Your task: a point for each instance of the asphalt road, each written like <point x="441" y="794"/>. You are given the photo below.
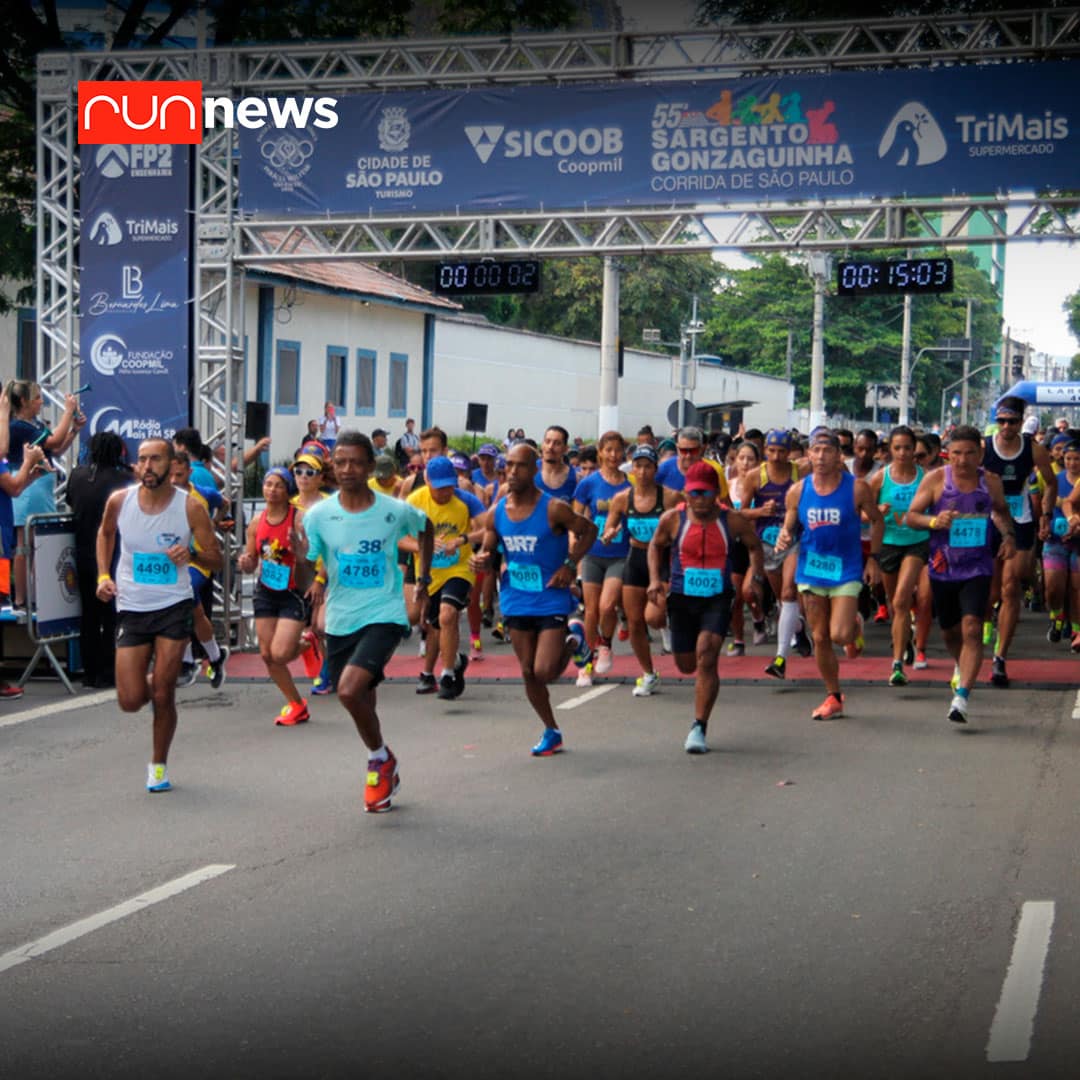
<point x="807" y="900"/>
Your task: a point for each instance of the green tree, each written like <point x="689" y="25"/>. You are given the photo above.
<point x="755" y="309"/>
<point x="655" y="291"/>
<point x="1071" y="307"/>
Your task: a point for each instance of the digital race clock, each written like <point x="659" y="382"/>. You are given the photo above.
<point x="875" y="277"/>
<point x="473" y="277"/>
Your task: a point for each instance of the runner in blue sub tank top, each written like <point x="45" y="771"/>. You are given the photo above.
<point x="602" y="568"/>
<point x="957" y="504"/>
<point x="904" y="550"/>
<point x="823" y="511"/>
<point x="638" y="508"/>
<point x="539" y="566"/>
<point x="700" y="591"/>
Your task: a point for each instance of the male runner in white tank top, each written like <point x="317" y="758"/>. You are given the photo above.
<point x="156" y="523"/>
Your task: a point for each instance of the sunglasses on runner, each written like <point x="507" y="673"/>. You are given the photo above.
<point x="304" y="470"/>
<point x="698" y="493"/>
<point x="1007" y="419"/>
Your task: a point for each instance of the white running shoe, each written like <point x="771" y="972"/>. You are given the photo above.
<point x="603" y="660"/>
<point x="157" y="779"/>
<point x="665" y="640"/>
<point x="584" y="677"/>
<point x="958" y="710"/>
<point x="695" y="741"/>
<point x="647" y="685"/>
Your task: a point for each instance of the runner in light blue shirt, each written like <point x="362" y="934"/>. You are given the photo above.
<point x="356" y="533"/>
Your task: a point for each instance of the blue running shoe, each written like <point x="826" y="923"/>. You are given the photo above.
<point x="550" y="743"/>
<point x="575" y="629"/>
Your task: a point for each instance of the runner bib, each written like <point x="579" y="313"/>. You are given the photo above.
<point x="770" y="535"/>
<point x="826" y="567"/>
<point x="1017" y="505"/>
<point x="703" y="582"/>
<point x="642" y="528"/>
<point x="600" y="520"/>
<point x="153" y="568"/>
<point x="443" y="560"/>
<point x="967" y="532"/>
<point x="274" y="575"/>
<point x="361" y="571"/>
<point x="525" y="576"/>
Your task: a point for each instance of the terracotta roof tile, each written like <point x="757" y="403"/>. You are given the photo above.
<point x="353" y="276"/>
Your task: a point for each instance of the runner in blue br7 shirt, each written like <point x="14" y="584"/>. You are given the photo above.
<point x="356" y="533"/>
<point x="701" y="587"/>
<point x="826" y="506"/>
<point x="539" y="565"/>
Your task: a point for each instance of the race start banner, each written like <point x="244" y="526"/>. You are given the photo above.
<point x="135" y="289"/>
<point x="966" y="130"/>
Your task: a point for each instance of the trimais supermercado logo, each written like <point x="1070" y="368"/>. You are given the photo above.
<point x="175" y="113"/>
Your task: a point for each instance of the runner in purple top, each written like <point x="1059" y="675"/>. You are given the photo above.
<point x="957" y="504"/>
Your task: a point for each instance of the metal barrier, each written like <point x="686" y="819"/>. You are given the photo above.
<point x="54" y="610"/>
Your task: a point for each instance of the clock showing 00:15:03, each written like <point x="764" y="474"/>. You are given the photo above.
<point x="876" y="277"/>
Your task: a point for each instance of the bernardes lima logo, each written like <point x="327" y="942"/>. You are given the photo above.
<point x="175" y="112"/>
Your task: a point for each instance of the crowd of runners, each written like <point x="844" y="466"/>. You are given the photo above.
<point x="676" y="545"/>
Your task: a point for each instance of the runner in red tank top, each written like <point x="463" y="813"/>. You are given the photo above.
<point x="274" y="544"/>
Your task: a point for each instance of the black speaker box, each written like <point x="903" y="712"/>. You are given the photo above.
<point x="476" y="417"/>
<point x="257" y="420"/>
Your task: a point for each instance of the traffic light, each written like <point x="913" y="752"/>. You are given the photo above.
<point x="1018" y="366"/>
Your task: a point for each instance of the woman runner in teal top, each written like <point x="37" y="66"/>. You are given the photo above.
<point x="904" y="550"/>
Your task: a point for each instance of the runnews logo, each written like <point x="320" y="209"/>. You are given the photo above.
<point x="175" y="113"/>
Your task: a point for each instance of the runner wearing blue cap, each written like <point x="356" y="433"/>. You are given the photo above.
<point x="454" y="515"/>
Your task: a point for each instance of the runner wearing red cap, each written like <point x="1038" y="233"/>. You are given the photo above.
<point x="701" y="591"/>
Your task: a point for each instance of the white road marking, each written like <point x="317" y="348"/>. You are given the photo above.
<point x="1014" y="1021"/>
<point x="1076" y="706"/>
<point x="95" y="922"/>
<point x="595" y="692"/>
<point x="82" y="701"/>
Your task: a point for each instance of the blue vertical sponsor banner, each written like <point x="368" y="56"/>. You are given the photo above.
<point x="972" y="130"/>
<point x="135" y="289"/>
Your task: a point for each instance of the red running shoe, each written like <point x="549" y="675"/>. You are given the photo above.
<point x="296" y="712"/>
<point x="311" y="654"/>
<point x="829" y="708"/>
<point x="382" y="784"/>
<point x="882" y="614"/>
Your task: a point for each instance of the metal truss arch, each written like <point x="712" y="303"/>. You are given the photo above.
<point x="923" y="223"/>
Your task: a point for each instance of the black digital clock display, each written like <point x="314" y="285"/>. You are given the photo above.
<point x="876" y="277"/>
<point x="484" y="277"/>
